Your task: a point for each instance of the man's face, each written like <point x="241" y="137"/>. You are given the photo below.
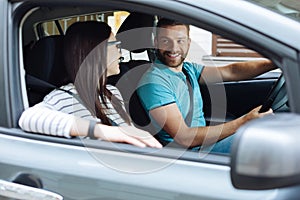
<point x="173" y="44"/>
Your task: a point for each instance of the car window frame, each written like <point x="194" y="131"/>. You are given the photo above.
<point x="4" y="88"/>
<point x="17" y="105"/>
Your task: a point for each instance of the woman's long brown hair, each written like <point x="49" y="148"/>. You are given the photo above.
<point x="85" y="50"/>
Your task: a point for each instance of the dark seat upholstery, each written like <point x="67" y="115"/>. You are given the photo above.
<point x="44" y="60"/>
<point x="127" y="84"/>
<point x="136" y="35"/>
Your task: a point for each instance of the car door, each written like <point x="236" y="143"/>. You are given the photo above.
<point x="80" y="169"/>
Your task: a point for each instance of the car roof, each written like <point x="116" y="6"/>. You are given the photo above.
<point x="284" y="30"/>
<point x="267" y="22"/>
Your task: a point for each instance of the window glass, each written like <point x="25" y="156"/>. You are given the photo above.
<point x="114" y="19"/>
<point x="207" y="47"/>
<point x="231" y="100"/>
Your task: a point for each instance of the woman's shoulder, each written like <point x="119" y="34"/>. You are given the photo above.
<point x="115" y="91"/>
<point x="69" y="87"/>
<point x="112" y="89"/>
<point x="59" y="93"/>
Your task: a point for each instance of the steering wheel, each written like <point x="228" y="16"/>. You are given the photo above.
<point x="277" y="96"/>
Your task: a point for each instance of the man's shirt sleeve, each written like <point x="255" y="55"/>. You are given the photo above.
<point x="155" y="92"/>
<point x="197" y="69"/>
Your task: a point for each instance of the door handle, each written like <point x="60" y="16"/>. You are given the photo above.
<point x="19" y="191"/>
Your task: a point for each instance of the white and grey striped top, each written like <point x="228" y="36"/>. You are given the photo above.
<point x="55" y="114"/>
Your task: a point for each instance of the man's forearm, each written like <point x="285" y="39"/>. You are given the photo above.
<point x="247" y="70"/>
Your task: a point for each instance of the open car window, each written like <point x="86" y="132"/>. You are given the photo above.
<point x="222" y="101"/>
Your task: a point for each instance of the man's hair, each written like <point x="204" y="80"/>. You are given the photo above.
<point x="164" y="22"/>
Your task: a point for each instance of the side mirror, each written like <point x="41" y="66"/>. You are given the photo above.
<point x="266" y="153"/>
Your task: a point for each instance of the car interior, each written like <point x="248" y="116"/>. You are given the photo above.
<point x="44" y="66"/>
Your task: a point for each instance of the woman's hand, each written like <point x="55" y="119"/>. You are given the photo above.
<point x="126" y="134"/>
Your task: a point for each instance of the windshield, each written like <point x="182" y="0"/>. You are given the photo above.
<point x="289" y="8"/>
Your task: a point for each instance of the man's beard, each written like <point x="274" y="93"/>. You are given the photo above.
<point x="162" y="58"/>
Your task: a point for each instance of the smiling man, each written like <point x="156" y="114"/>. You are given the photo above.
<point x="170" y="93"/>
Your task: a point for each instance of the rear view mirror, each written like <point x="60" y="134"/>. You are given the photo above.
<point x="266" y="153"/>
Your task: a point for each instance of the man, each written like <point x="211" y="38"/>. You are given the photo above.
<point x="164" y="91"/>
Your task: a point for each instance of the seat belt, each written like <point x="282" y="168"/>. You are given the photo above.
<point x="40" y="84"/>
<point x="188" y="118"/>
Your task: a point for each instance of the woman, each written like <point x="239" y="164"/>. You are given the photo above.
<point x="87" y="106"/>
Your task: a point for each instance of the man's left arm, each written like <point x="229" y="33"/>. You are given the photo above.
<point x="237" y="71"/>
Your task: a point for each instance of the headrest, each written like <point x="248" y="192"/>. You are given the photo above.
<point x="45" y="60"/>
<point x="136" y="32"/>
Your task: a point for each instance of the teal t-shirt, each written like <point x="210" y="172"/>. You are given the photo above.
<point x="161" y="86"/>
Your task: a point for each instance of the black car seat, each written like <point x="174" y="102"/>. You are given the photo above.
<point x="136" y="35"/>
<point x="44" y="61"/>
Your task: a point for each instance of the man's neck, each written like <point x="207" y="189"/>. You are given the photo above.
<point x="176" y="69"/>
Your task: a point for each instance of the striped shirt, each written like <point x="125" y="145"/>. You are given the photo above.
<point x="55" y="114"/>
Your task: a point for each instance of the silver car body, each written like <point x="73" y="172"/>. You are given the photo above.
<point x="100" y="170"/>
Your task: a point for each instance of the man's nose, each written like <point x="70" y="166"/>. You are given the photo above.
<point x="173" y="46"/>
